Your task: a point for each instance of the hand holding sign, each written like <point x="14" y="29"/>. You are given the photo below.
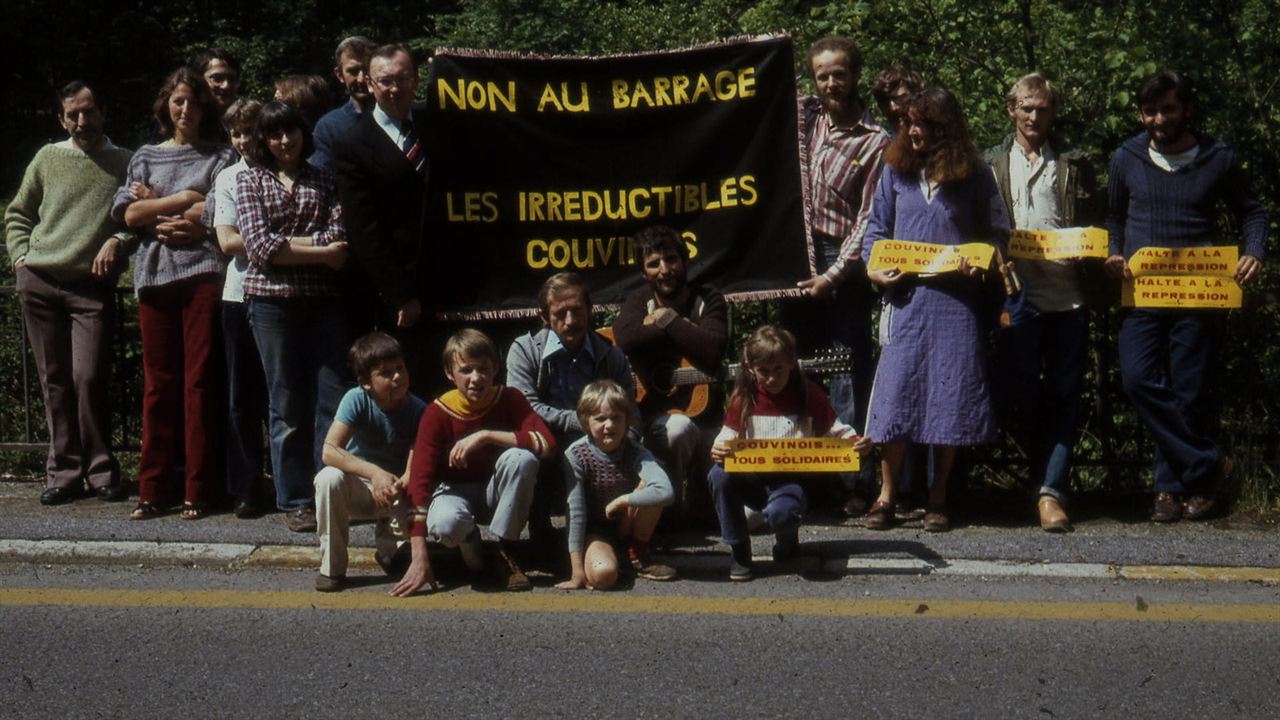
<point x="925" y="258"/>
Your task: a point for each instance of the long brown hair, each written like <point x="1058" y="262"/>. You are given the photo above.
<point x="210" y="116"/>
<point x="952" y="154"/>
<point x="766" y="343"/>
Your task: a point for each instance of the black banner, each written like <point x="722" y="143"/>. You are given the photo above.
<point x="546" y="164"/>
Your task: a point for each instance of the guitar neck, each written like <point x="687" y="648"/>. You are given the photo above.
<point x="830" y="362"/>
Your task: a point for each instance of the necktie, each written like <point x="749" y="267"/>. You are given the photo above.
<point x="413" y="148"/>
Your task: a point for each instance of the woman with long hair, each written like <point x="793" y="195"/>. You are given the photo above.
<point x="178" y="278"/>
<point x="931" y="385"/>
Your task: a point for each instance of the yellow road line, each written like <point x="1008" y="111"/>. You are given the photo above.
<point x="1270" y="576"/>
<point x="555" y="602"/>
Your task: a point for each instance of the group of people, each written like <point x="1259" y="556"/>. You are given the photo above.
<point x="267" y="236"/>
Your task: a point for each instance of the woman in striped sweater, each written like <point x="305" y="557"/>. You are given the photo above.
<point x="178" y="277"/>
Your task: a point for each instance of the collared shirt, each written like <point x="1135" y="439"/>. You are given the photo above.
<point x="268" y="214"/>
<point x="844" y="166"/>
<point x="570" y="372"/>
<point x="1033" y="187"/>
<point x="70" y="144"/>
<point x="395" y="129"/>
<point x="1051" y="285"/>
<point x="1173" y="162"/>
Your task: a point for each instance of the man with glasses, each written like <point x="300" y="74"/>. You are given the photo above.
<point x="381" y="166"/>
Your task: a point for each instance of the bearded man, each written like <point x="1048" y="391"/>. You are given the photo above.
<point x="842" y="148"/>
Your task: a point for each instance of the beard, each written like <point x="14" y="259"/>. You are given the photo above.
<point x="837" y="105"/>
<point x="1171" y="134"/>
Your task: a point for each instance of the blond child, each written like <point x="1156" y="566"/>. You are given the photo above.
<point x="616" y="491"/>
<point x="771" y="399"/>
<point x="476" y="455"/>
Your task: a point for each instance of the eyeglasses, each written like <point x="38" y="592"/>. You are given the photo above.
<point x="394" y="81"/>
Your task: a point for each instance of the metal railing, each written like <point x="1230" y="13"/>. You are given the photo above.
<point x="22" y="423"/>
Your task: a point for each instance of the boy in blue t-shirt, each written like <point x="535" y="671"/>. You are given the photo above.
<point x="366" y="455"/>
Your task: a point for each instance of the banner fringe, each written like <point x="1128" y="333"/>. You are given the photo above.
<point x="525" y="313"/>
<point x="513" y="55"/>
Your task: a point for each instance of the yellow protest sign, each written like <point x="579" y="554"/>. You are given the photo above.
<point x="1063" y="244"/>
<point x="792" y="455"/>
<point x="1181" y="291"/>
<point x="1203" y="261"/>
<point x="928" y="258"/>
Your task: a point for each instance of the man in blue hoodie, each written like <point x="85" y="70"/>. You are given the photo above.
<point x="1166" y="185"/>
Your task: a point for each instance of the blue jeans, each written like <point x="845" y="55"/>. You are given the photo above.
<point x="1166" y="359"/>
<point x="303" y="344"/>
<point x="247" y="402"/>
<point x="777" y="495"/>
<point x="1040" y="362"/>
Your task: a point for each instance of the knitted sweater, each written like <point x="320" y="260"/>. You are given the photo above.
<point x="61" y="215"/>
<point x="170" y="169"/>
<point x="449" y="419"/>
<point x="1152" y="207"/>
<point x="594" y="478"/>
<point x="789" y="414"/>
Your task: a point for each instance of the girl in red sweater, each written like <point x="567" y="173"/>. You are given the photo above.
<point x="771" y="399"/>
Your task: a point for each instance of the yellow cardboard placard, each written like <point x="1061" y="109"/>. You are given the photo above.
<point x="1062" y="244"/>
<point x="1181" y="291"/>
<point x="792" y="455"/>
<point x="1202" y="261"/>
<point x="928" y="258"/>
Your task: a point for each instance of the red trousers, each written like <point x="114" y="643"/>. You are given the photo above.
<point x="182" y="389"/>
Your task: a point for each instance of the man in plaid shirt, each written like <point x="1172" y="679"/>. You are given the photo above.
<point x="842" y="150"/>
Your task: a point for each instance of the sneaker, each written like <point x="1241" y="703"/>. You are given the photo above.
<point x="741" y="567"/>
<point x="646" y="568"/>
<point x="517" y="581"/>
<point x="324" y="583"/>
<point x="398" y="564"/>
<point x="787" y="548"/>
<point x="472" y="551"/>
<point x="302" y="520"/>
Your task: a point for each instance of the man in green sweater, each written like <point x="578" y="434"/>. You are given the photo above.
<point x="66" y="255"/>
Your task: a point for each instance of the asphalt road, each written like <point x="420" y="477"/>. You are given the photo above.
<point x="119" y="641"/>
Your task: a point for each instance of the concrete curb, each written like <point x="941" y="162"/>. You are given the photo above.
<point x="235" y="555"/>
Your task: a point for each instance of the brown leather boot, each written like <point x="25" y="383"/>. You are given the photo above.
<point x="1052" y="517"/>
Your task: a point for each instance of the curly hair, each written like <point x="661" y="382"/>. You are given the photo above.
<point x="951" y="155"/>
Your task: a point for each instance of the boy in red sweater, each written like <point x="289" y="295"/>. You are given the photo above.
<point x="476" y="454"/>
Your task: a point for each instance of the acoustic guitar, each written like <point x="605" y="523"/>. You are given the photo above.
<point x="670" y="380"/>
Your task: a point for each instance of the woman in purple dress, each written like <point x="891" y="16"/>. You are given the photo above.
<point x="931" y="385"/>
